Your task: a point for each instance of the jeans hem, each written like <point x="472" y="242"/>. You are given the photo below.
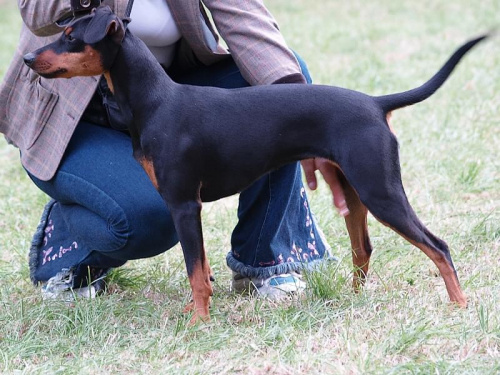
<point x="37" y="241"/>
<point x="266" y="272"/>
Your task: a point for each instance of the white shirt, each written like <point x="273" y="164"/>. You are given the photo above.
<point x="152" y="21"/>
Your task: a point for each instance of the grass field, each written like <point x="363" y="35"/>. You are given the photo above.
<point x="400" y="324"/>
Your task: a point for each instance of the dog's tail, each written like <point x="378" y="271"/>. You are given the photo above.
<point x="391" y="102"/>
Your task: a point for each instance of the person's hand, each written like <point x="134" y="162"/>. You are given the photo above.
<point x="330" y="174"/>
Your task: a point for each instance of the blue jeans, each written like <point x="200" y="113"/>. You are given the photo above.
<point x="107" y="211"/>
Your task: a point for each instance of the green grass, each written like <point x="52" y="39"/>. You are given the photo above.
<point x="400" y="324"/>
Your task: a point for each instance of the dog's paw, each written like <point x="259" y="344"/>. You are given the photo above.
<point x="189" y="307"/>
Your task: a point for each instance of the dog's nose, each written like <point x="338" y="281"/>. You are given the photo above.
<point x="29" y="58"/>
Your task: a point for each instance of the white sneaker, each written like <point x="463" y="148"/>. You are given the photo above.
<point x="275" y="287"/>
<point x="59" y="287"/>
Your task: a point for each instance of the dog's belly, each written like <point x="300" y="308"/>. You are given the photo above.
<point x="211" y="195"/>
<point x="233" y="182"/>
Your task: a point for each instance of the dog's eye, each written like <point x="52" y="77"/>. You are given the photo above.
<point x="69" y="38"/>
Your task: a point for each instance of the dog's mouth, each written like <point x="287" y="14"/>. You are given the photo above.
<point x="42" y="69"/>
<point x="54" y="74"/>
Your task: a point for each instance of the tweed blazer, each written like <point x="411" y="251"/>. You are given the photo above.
<point x="39" y="115"/>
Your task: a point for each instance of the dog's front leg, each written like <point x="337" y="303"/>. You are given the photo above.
<point x="187" y="219"/>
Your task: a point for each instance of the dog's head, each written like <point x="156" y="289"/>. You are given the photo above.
<point x="87" y="47"/>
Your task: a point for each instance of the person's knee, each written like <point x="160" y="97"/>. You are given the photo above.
<point x="147" y="231"/>
<point x="155" y="226"/>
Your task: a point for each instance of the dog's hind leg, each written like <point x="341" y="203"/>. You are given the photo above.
<point x="377" y="180"/>
<point x="357" y="227"/>
<point x="410" y="227"/>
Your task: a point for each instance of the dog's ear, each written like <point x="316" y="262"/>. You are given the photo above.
<point x="104" y="22"/>
<point x="116" y="29"/>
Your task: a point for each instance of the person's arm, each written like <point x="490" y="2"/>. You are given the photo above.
<point x="255" y="42"/>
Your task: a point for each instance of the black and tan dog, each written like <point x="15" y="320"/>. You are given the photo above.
<point x="202" y="144"/>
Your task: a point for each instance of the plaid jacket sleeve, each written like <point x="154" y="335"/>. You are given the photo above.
<point x="254" y="40"/>
<point x="41" y="16"/>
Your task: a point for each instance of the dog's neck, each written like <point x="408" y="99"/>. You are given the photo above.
<point x="134" y="67"/>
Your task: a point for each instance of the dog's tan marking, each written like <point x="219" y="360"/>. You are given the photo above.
<point x="447" y="272"/>
<point x="357" y="226"/>
<point x="107" y="76"/>
<point x="68" y="30"/>
<point x="202" y="291"/>
<point x="150" y="170"/>
<point x="67" y="65"/>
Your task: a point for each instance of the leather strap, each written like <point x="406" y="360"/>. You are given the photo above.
<point x="129" y="8"/>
